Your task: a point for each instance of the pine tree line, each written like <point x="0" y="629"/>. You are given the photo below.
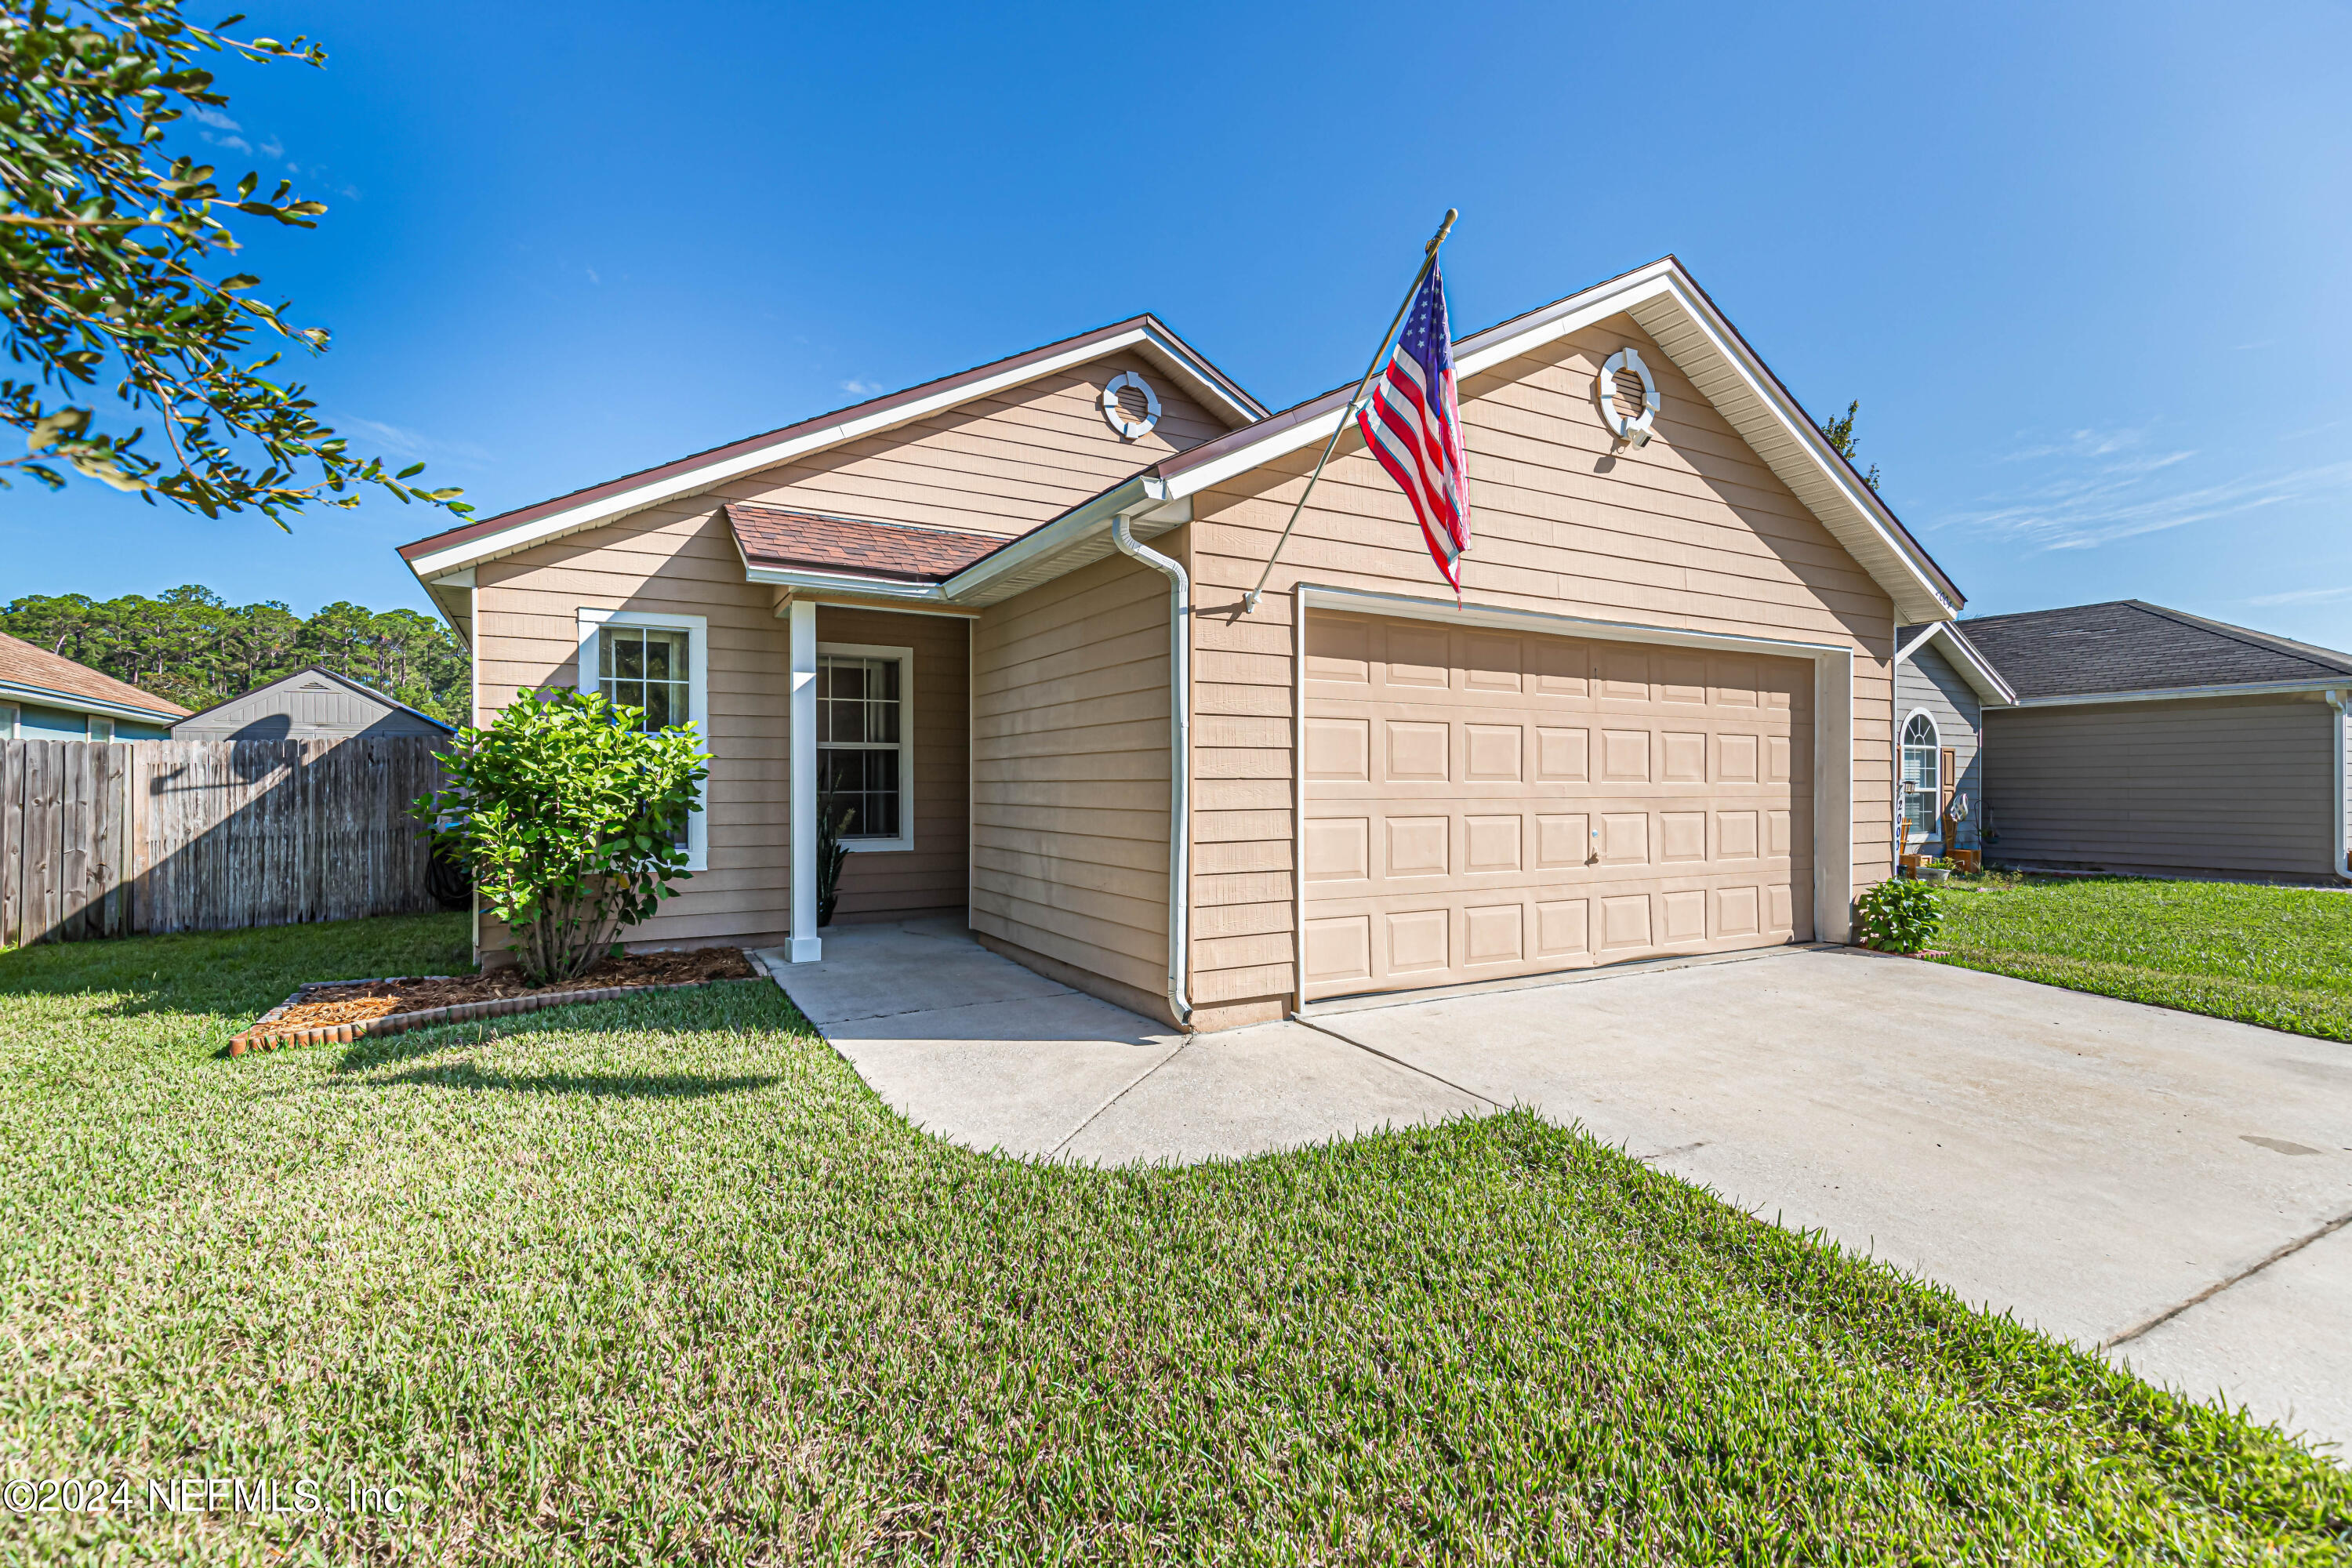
<point x="194" y="647"/>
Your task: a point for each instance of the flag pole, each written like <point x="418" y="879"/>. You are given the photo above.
<point x="1428" y="260"/>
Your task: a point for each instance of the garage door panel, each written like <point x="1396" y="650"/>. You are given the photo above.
<point x="1339" y="750"/>
<point x="1562" y="754"/>
<point x="1484" y="804"/>
<point x="1625" y="756"/>
<point x="1417" y="845"/>
<point x="1417" y="751"/>
<point x="1491" y="753"/>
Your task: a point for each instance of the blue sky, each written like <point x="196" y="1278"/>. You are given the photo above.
<point x="2083" y="266"/>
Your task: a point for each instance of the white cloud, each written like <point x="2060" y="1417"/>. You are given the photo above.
<point x="2101" y="486"/>
<point x="2303" y="597"/>
<point x="212" y="117"/>
<point x="399" y="441"/>
<point x="857" y="388"/>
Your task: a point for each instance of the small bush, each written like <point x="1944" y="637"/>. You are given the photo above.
<point x="572" y="818"/>
<point x="1899" y="916"/>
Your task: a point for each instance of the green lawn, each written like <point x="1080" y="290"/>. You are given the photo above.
<point x="660" y="1281"/>
<point x="2276" y="956"/>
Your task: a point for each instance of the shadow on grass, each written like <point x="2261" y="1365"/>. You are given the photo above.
<point x="233" y="975"/>
<point x="611" y="1086"/>
<point x="726" y="1005"/>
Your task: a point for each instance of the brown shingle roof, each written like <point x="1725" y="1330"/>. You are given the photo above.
<point x="771" y="536"/>
<point x="22" y="664"/>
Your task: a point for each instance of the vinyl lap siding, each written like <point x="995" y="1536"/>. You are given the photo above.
<point x="682" y="560"/>
<point x="2232" y="784"/>
<point x="996" y="465"/>
<point x="1069" y="852"/>
<point x="930" y="878"/>
<point x="1927" y="681"/>
<point x="1691" y="532"/>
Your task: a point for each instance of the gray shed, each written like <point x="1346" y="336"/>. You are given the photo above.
<point x="2149" y="740"/>
<point x="312" y="704"/>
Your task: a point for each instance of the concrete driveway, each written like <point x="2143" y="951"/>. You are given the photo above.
<point x="2171" y="1187"/>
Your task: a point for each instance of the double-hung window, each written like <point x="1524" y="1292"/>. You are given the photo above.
<point x="1922" y="778"/>
<point x="864" y="742"/>
<point x="659" y="664"/>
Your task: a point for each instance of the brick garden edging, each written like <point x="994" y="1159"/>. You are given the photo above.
<point x="262" y="1038"/>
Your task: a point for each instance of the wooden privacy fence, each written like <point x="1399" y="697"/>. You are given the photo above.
<point x="103" y="839"/>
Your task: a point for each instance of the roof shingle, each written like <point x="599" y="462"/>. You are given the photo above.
<point x="772" y="536"/>
<point x="22" y="664"/>
<point x="2129" y="645"/>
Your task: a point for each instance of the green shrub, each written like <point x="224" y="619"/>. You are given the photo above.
<point x="574" y="818"/>
<point x="1897" y="916"/>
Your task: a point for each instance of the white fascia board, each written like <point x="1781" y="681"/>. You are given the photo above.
<point x="843" y="582"/>
<point x="1058" y="535"/>
<point x="1982" y="679"/>
<point x="718" y="470"/>
<point x="2192" y="693"/>
<point x="1202" y="386"/>
<point x="1551" y="623"/>
<point x="74" y="702"/>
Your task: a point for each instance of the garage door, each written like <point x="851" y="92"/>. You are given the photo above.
<point x="1482" y="803"/>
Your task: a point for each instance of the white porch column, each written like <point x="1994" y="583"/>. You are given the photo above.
<point x="806" y="946"/>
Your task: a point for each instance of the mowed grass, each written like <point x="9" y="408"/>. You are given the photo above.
<point x="662" y="1281"/>
<point x="2280" y="957"/>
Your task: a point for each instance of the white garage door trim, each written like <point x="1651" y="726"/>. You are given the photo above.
<point x="1832" y="722"/>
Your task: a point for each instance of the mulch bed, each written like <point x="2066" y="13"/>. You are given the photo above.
<point x="342" y="1011"/>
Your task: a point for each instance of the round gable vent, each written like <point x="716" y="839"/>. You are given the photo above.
<point x="1628" y="394"/>
<point x="1129" y="405"/>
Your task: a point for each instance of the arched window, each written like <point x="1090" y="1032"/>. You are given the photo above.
<point x="1922" y="781"/>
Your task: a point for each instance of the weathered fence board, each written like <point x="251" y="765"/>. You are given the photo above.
<point x="99" y="839"/>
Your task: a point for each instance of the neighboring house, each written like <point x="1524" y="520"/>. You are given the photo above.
<point x="312" y="704"/>
<point x="1942" y="686"/>
<point x="2144" y="739"/>
<point x="1005" y="615"/>
<point x="45" y="697"/>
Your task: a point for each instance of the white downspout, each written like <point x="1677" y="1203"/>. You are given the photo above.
<point x="1180" y="760"/>
<point x="2336" y="709"/>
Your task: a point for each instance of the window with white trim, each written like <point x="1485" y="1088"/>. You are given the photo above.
<point x="7" y="720"/>
<point x="660" y="664"/>
<point x="1922" y="777"/>
<point x="866" y="742"/>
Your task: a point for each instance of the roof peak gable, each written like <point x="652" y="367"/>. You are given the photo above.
<point x="1684" y="323"/>
<point x="455" y="549"/>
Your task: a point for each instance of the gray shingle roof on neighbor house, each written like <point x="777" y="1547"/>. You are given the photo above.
<point x="2129" y="645"/>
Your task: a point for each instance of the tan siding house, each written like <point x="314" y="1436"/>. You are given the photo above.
<point x="1008" y="615"/>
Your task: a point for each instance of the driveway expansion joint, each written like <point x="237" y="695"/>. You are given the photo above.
<point x="2278" y="1256"/>
<point x="1400" y="1061"/>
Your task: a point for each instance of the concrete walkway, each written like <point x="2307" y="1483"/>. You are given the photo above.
<point x="977" y="1049"/>
<point x="2175" y="1187"/>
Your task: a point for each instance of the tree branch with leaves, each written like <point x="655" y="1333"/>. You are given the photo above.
<point x="110" y="269"/>
<point x="1840" y="435"/>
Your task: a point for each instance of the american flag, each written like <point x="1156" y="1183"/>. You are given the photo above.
<point x="1413" y="428"/>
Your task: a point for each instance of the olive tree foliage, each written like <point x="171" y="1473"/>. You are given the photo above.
<point x="112" y="270"/>
<point x="572" y="818"/>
